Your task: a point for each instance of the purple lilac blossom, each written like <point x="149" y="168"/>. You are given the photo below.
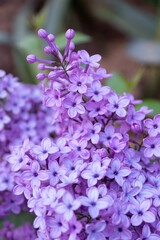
<point x="153" y="125"/>
<point x="141" y="213"/>
<point x="21" y="115"/>
<point x="78" y="83"/>
<point x="152" y="147"/>
<point x="95" y="231"/>
<point x="102" y="179"/>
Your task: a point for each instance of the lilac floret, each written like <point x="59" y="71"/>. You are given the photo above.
<point x="152" y="147"/>
<point x="141" y="213"/>
<point x="91" y="61"/>
<point x="153" y="125"/>
<point x="74" y="106"/>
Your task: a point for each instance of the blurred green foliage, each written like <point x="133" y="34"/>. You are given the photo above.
<point x="120" y="83"/>
<point x="19" y="219"/>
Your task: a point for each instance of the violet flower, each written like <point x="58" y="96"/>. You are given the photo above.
<point x="152" y="147"/>
<point x="95" y="231"/>
<point x="46" y="148"/>
<point x="78" y="83"/>
<point x="68" y="206"/>
<point x="140" y="213"/>
<point x="94" y="203"/>
<point x="35" y="175"/>
<point x="96" y="92"/>
<point x="91" y="61"/>
<point x="117" y="104"/>
<point x="117" y="172"/>
<point x="74" y="106"/>
<point x="147" y="235"/>
<point x="153" y="125"/>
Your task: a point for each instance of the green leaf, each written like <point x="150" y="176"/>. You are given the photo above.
<point x="22" y="42"/>
<point x="79" y="38"/>
<point x="152" y="104"/>
<point x="28" y="45"/>
<point x="118" y="83"/>
<point x="135" y="80"/>
<point x="19" y="219"/>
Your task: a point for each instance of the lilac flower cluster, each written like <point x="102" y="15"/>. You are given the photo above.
<point x="9" y="232"/>
<point x="100" y="177"/>
<point x="21" y="115"/>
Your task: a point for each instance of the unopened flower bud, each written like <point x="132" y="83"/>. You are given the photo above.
<point x="136" y="127"/>
<point x="52" y="75"/>
<point x="70" y="34"/>
<point x="51" y="37"/>
<point x="31" y="58"/>
<point x="41" y="66"/>
<point x="48" y="50"/>
<point x="41" y="76"/>
<point x="42" y="33"/>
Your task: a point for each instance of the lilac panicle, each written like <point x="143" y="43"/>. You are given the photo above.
<point x="98" y="176"/>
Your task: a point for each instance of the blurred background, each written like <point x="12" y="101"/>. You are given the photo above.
<point x="125" y="32"/>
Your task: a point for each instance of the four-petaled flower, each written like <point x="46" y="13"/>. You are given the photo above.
<point x="152" y="147"/>
<point x="140" y="213"/>
<point x="117" y="171"/>
<point x="68" y="206"/>
<point x="78" y="83"/>
<point x="153" y="125"/>
<point x="86" y="59"/>
<point x="95" y="231"/>
<point x="117" y="104"/>
<point x="94" y="173"/>
<point x="35" y="175"/>
<point x="45" y="149"/>
<point x="74" y="106"/>
<point x="96" y="91"/>
<point x="94" y="203"/>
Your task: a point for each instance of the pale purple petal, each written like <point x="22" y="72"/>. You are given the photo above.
<point x="136" y="220"/>
<point x="35" y="166"/>
<point x="148" y="217"/>
<point x="93" y="211"/>
<point x="43" y="175"/>
<point x="146" y="231"/>
<point x="72" y="112"/>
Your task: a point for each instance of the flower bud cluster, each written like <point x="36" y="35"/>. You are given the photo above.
<point x="100" y="177"/>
